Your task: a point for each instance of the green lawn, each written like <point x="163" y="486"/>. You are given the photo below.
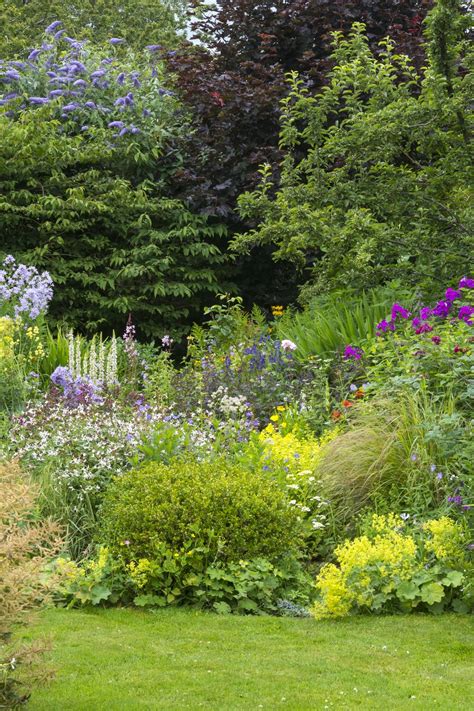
<point x="178" y="659"/>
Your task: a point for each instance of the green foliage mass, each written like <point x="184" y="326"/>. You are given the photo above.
<point x="139" y="22"/>
<point x="376" y="173"/>
<point x="242" y="515"/>
<point x="96" y="210"/>
<point x="190" y="576"/>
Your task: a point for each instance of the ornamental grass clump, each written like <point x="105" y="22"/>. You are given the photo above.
<point x="394" y="567"/>
<point x="385" y="459"/>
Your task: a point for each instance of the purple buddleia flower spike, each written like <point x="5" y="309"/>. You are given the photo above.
<point x="53" y="26"/>
<point x="12" y="74"/>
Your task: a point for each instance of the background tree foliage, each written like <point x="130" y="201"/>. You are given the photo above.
<point x="376" y="174"/>
<point x="233" y="81"/>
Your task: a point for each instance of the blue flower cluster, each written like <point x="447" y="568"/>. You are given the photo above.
<point x="24" y="291"/>
<point x="76" y="391"/>
<point x="83" y="90"/>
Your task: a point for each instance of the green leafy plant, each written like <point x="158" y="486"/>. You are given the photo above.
<point x="330" y="322"/>
<point x="393" y="568"/>
<point x="188" y="576"/>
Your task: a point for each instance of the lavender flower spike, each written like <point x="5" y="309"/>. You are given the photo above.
<point x="34" y="54"/>
<point x="54" y="25"/>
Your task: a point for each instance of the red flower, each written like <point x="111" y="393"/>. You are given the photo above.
<point x="346" y="403"/>
<point x="336" y="414"/>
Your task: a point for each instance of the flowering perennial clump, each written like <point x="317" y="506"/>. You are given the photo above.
<point x="449" y="306"/>
<point x="98" y="364"/>
<point x="83" y="93"/>
<point x="392" y="567"/>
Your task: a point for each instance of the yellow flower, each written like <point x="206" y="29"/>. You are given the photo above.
<point x="366" y="565"/>
<point x="446" y="539"/>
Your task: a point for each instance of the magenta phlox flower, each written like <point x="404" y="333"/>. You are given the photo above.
<point x="425" y="312"/>
<point x="436" y="340"/>
<point x="466" y="283"/>
<point x="452" y="294"/>
<point x="424" y="328"/>
<point x="465" y="313"/>
<point x="442" y="309"/>
<point x="384" y="326"/>
<point x="350" y="352"/>
<point x="399" y="310"/>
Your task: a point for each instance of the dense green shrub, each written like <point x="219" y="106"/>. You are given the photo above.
<point x="243" y="515"/>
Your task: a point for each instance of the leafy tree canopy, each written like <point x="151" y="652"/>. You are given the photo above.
<point x="376" y="176"/>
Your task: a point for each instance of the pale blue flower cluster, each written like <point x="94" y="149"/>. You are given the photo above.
<point x="24" y="291"/>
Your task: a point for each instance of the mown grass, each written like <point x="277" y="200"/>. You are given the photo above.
<point x="179" y="659"/>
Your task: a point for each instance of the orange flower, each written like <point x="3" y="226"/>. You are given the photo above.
<point x="359" y="393"/>
<point x="346" y="403"/>
<point x="336" y="414"/>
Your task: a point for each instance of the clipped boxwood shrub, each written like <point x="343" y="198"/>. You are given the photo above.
<point x="238" y="513"/>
